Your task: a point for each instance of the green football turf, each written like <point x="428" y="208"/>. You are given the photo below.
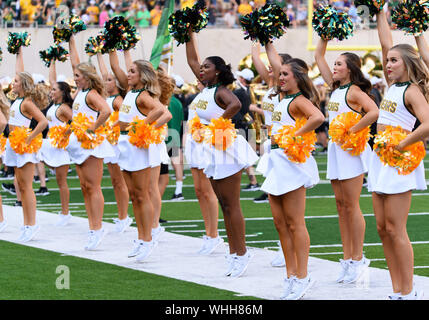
<point x="29" y="278"/>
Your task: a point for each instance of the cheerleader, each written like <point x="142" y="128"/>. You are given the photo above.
<point x="23" y="109"/>
<point x="58" y="114"/>
<point x="223" y="168"/>
<point x="350" y="93"/>
<point x="89" y="100"/>
<point x="115" y="98"/>
<point x="143" y="101"/>
<point x="203" y="190"/>
<point x="4" y="115"/>
<point x="408" y="93"/>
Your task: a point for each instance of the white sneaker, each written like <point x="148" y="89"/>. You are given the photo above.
<point x="23" y="231"/>
<point x="157" y="233"/>
<point x="413" y="295"/>
<point x="203" y="247"/>
<point x="211" y="245"/>
<point x="30" y="232"/>
<point x="356" y="270"/>
<point x="94" y="238"/>
<point x="122" y="225"/>
<point x="63" y="219"/>
<point x="394" y="296"/>
<point x="230" y="259"/>
<point x="136" y="248"/>
<point x="344" y="269"/>
<point x="287" y="287"/>
<point x="145" y="250"/>
<point x="240" y="265"/>
<point x="3" y="225"/>
<point x="300" y="287"/>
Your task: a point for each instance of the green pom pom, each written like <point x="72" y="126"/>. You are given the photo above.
<point x="374" y="6"/>
<point x="266" y="24"/>
<point x="119" y="34"/>
<point x="411" y="17"/>
<point x="16" y="40"/>
<point x="55" y="52"/>
<point x="75" y="25"/>
<point x="331" y="24"/>
<point x="195" y="18"/>
<point x="95" y="45"/>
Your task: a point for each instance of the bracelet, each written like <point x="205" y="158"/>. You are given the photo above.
<point x="69" y="122"/>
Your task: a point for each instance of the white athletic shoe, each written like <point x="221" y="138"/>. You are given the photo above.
<point x="146" y="249"/>
<point x="413" y="295"/>
<point x="63" y="219"/>
<point x="22" y="236"/>
<point x="356" y="270"/>
<point x="203" y="247"/>
<point x="344" y="269"/>
<point x="300" y="287"/>
<point x="30" y="232"/>
<point x="394" y="296"/>
<point x="287" y="287"/>
<point x="157" y="233"/>
<point x="122" y="225"/>
<point x="3" y="225"/>
<point x="240" y="265"/>
<point x="211" y="245"/>
<point x="136" y="248"/>
<point x="230" y="260"/>
<point x="94" y="238"/>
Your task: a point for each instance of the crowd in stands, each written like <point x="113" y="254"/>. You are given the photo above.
<point x="146" y="13"/>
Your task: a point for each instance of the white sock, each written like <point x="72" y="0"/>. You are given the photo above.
<point x="179" y="185"/>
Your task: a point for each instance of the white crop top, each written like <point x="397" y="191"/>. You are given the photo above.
<point x="268" y="105"/>
<point x="110" y="101"/>
<point x="51" y="115"/>
<point x="338" y="102"/>
<point x="192" y="107"/>
<point x="281" y="115"/>
<point x="16" y="117"/>
<point x="80" y="105"/>
<point x="128" y="109"/>
<point x="392" y="108"/>
<point x="206" y="106"/>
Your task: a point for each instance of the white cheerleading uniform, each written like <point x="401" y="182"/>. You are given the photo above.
<point x="268" y="105"/>
<point x="132" y="158"/>
<point x="11" y="158"/>
<point x="194" y="151"/>
<point x="114" y="160"/>
<point x="78" y="154"/>
<point x="52" y="156"/>
<point x="383" y="178"/>
<point x="341" y="165"/>
<point x="238" y="156"/>
<point x="283" y="175"/>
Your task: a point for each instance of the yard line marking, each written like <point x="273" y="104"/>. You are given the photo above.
<point x="336" y="245"/>
<point x="325" y="253"/>
<point x="182" y="226"/>
<point x="421" y="267"/>
<point x="193" y="231"/>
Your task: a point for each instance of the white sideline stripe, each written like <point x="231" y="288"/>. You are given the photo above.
<point x="421" y="267"/>
<point x="182" y="226"/>
<point x="260" y="280"/>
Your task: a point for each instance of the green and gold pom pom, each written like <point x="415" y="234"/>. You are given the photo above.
<point x="119" y="34"/>
<point x="195" y="19"/>
<point x="63" y="34"/>
<point x="266" y="24"/>
<point x="331" y="24"/>
<point x="374" y="6"/>
<point x="54" y="52"/>
<point x="95" y="45"/>
<point x="411" y="16"/>
<point x="16" y="40"/>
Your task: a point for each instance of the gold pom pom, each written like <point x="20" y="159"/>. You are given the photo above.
<point x="220" y="133"/>
<point x="18" y="138"/>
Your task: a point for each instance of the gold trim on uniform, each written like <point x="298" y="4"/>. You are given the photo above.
<point x="277" y="116"/>
<point x="76" y="106"/>
<point x="333" y="106"/>
<point x="267" y="106"/>
<point x="125" y="109"/>
<point x="202" y="104"/>
<point x="389" y="106"/>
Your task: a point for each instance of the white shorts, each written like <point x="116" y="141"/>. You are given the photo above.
<point x="52" y="156"/>
<point x="386" y="179"/>
<point x="13" y="159"/>
<point x="284" y="176"/>
<point x="78" y="154"/>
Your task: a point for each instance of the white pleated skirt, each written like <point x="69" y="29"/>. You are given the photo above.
<point x="284" y="176"/>
<point x="341" y="165"/>
<point x="115" y="158"/>
<point x="132" y="158"/>
<point x="262" y="166"/>
<point x="386" y="179"/>
<point x="78" y="154"/>
<point x="194" y="153"/>
<point x="222" y="164"/>
<point x="52" y="156"/>
<point x="13" y="159"/>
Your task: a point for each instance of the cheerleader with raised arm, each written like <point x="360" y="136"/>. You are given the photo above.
<point x="89" y="101"/>
<point x="405" y="101"/>
<point x="23" y="109"/>
<point x="142" y="101"/>
<point x="115" y="97"/>
<point x="4" y="115"/>
<point x="224" y="167"/>
<point x="350" y="94"/>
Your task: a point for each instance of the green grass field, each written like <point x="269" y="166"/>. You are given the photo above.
<point x="26" y="275"/>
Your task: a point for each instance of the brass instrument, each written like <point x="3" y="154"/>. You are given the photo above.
<point x="372" y="65"/>
<point x="257" y="92"/>
<point x="314" y="71"/>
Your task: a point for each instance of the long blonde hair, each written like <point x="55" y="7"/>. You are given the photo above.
<point x="417" y="70"/>
<point x="37" y="93"/>
<point x="149" y="77"/>
<point x="94" y="80"/>
<point x="4" y="104"/>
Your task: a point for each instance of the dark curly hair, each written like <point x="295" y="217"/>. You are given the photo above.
<point x="225" y="77"/>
